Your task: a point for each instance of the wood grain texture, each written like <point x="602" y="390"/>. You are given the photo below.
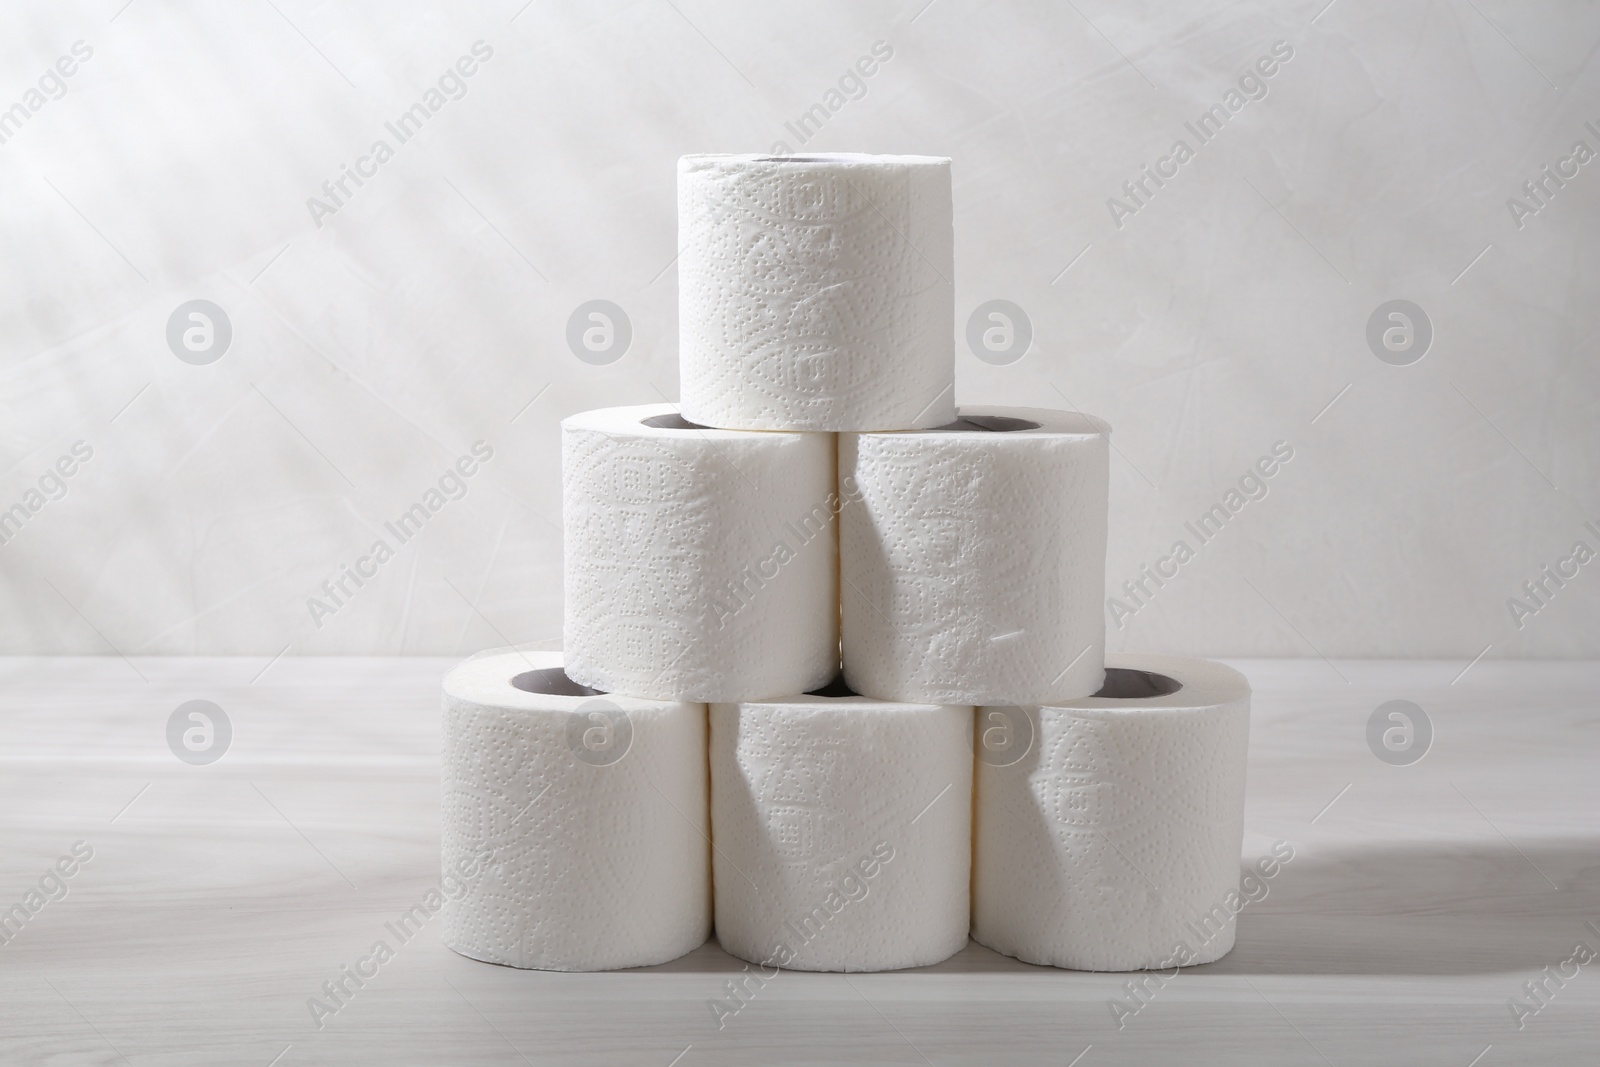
<point x="222" y="897"/>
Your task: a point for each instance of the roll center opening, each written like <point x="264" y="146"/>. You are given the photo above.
<point x="672" y="421"/>
<point x="840" y="158"/>
<point x="988" y="424"/>
<point x="1124" y="684"/>
<point x="553" y="681"/>
<point x="835" y="688"/>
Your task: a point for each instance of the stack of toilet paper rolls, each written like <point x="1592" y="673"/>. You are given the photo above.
<point x="834" y="672"/>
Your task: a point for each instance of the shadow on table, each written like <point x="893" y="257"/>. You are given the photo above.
<point x="1426" y="908"/>
<point x="1423" y="908"/>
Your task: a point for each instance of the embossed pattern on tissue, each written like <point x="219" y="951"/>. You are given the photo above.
<point x="814" y="299"/>
<point x="800" y="793"/>
<point x="967" y="567"/>
<point x="1114" y="838"/>
<point x="651" y="526"/>
<point x="581" y="855"/>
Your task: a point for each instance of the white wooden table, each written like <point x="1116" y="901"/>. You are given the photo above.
<point x="220" y="898"/>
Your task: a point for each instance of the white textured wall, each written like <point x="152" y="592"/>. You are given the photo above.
<point x="427" y="312"/>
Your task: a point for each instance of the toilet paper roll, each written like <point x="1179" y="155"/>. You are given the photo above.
<point x="1108" y="832"/>
<point x="973" y="558"/>
<point x="700" y="564"/>
<point x="575" y="823"/>
<point x="843" y="831"/>
<point x="814" y="292"/>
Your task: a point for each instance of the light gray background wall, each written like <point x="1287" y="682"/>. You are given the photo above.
<point x="430" y="310"/>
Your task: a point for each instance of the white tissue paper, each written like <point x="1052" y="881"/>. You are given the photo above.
<point x="1108" y="832"/>
<point x="973" y="558"/>
<point x="843" y="831"/>
<point x="815" y="292"/>
<point x="700" y="564"/>
<point x="575" y="823"/>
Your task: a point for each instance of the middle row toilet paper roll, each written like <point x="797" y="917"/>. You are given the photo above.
<point x="968" y="562"/>
<point x="843" y="831"/>
<point x="700" y="564"/>
<point x="973" y="558"/>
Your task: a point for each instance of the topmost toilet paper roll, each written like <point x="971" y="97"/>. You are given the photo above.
<point x="815" y="292"/>
<point x="973" y="558"/>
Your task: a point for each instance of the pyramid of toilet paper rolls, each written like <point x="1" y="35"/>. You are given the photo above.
<point x="834" y="676"/>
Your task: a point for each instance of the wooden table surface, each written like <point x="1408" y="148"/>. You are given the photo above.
<point x="220" y="898"/>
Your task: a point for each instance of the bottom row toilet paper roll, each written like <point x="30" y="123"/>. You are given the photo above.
<point x="575" y="822"/>
<point x="843" y="830"/>
<point x="1108" y="830"/>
